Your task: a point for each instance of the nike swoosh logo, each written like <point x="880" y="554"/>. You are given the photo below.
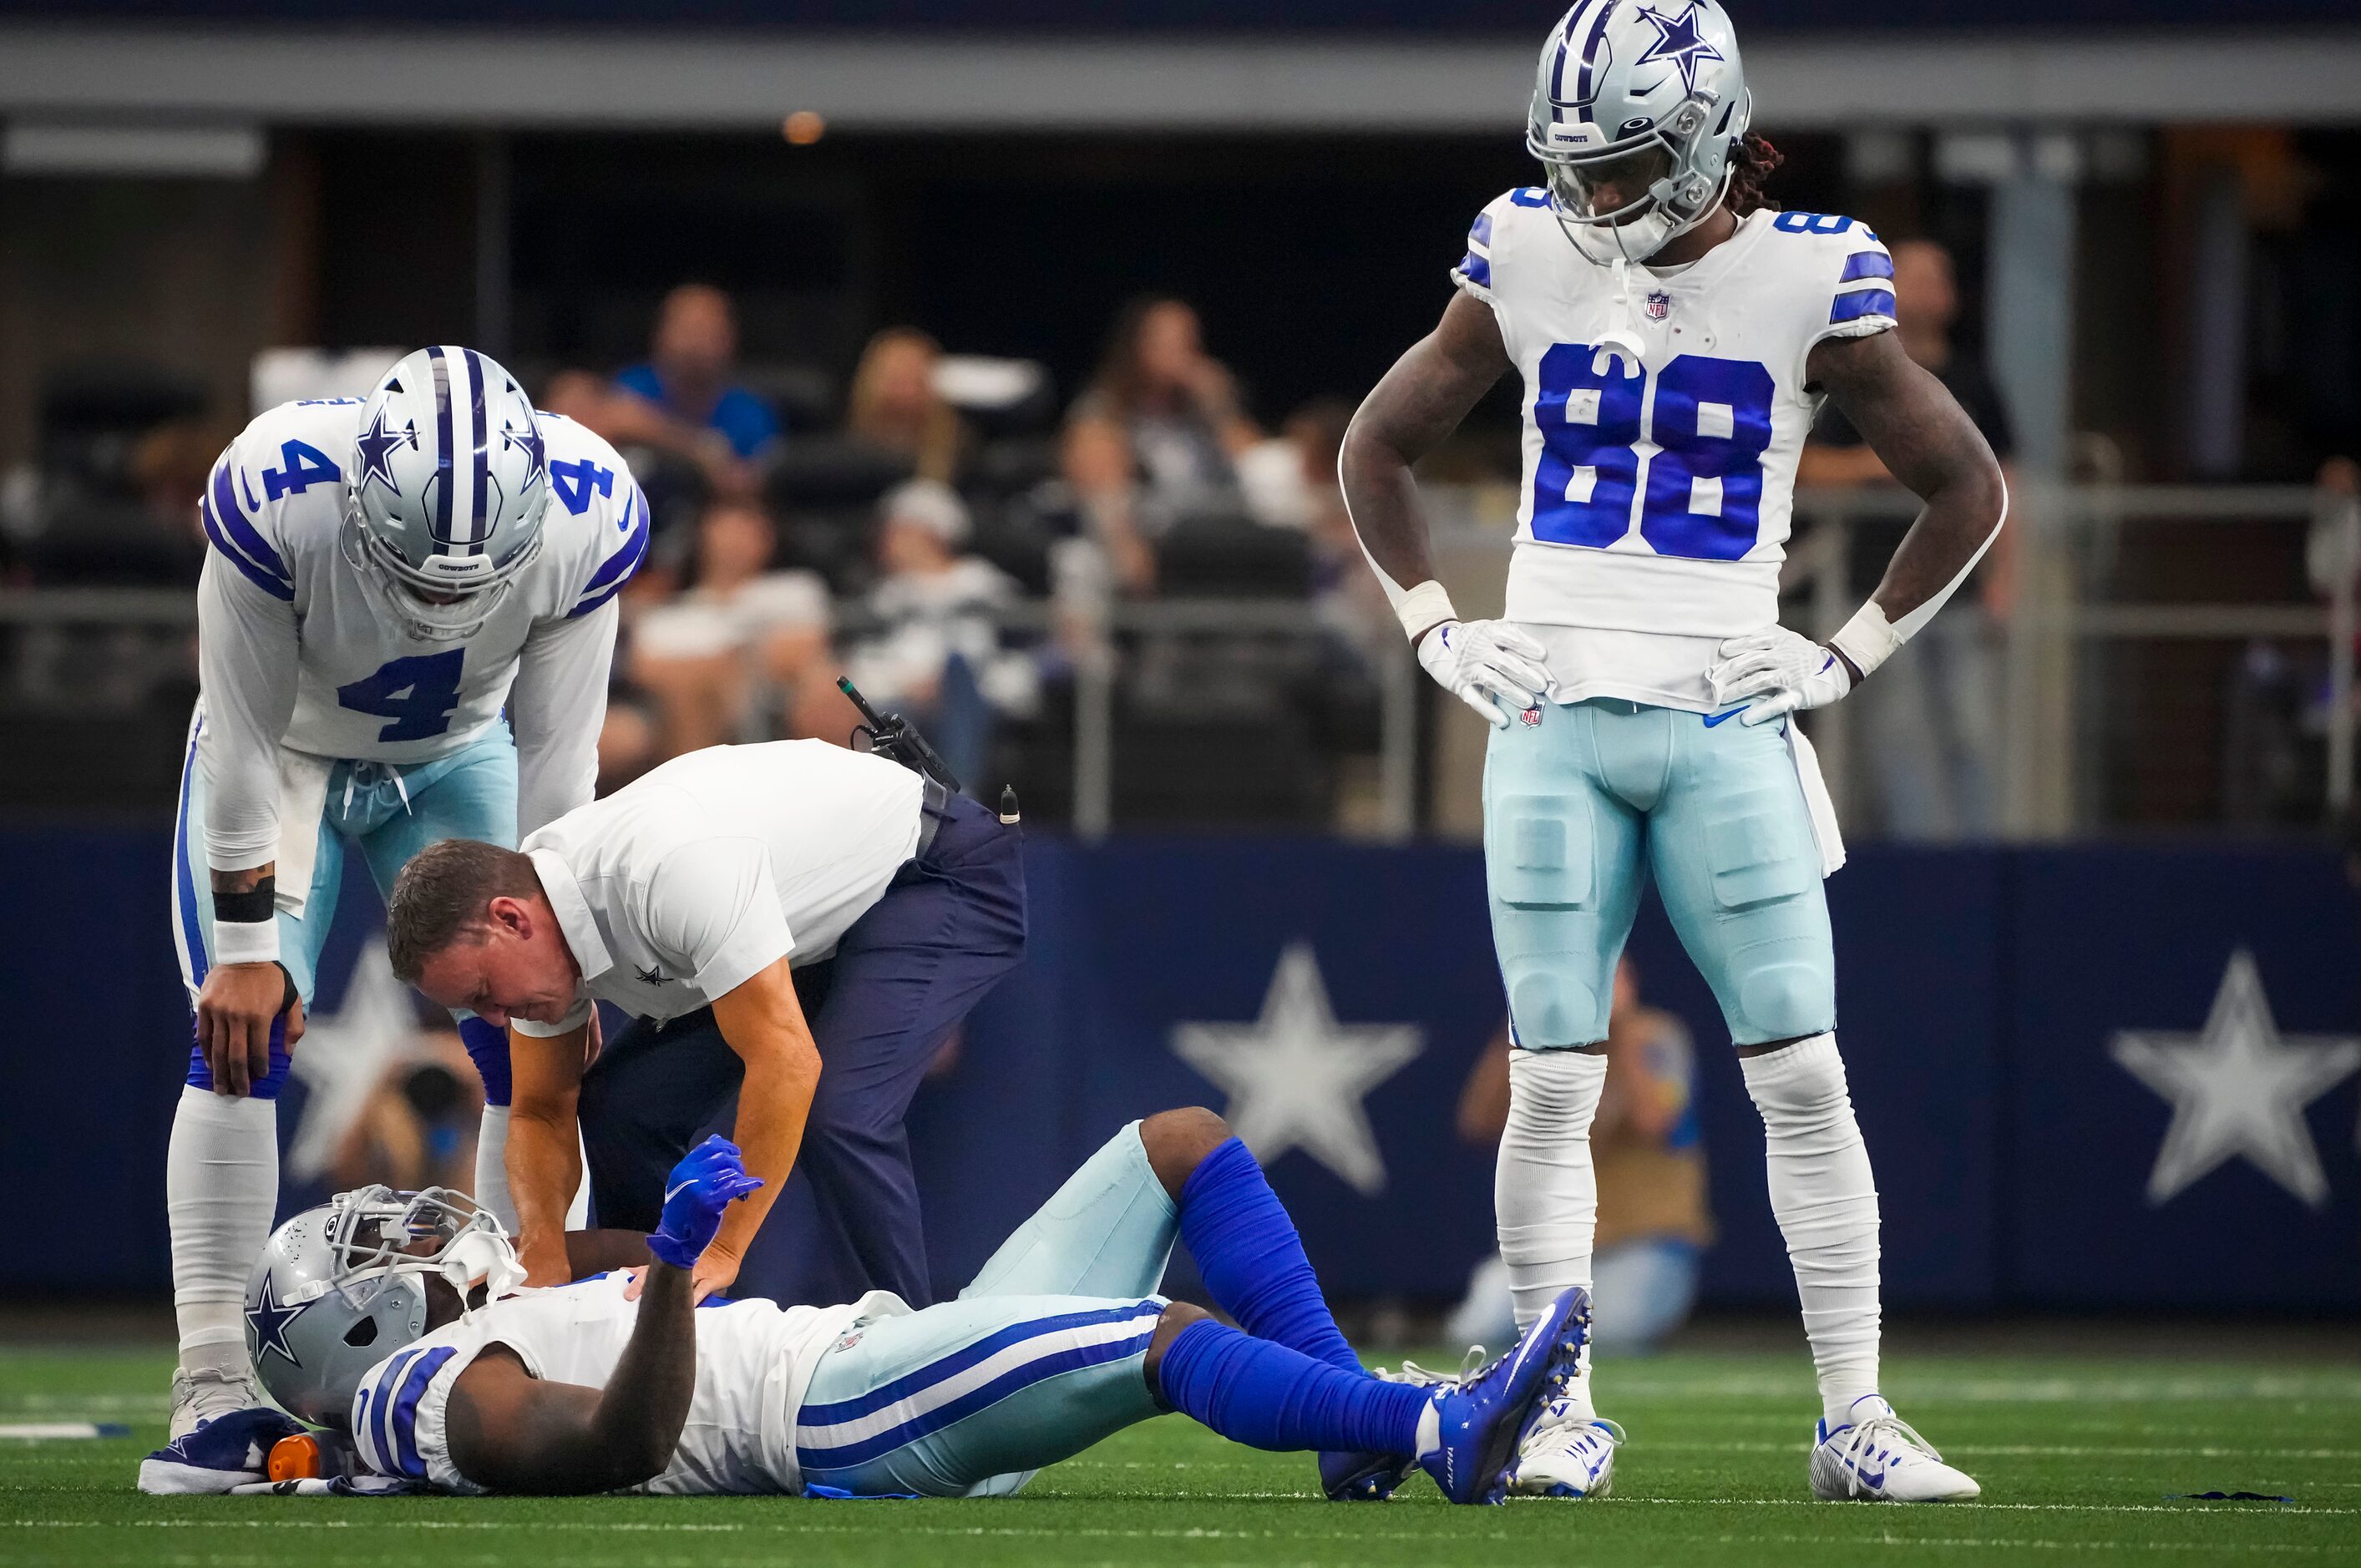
<point x="1713" y="718"/>
<point x="678" y="1190"/>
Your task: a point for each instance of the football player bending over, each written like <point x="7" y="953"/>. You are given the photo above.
<point x="398" y="1319"/>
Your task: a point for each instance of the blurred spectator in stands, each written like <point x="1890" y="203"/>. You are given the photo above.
<point x="418" y="1128"/>
<point x="1929" y="723"/>
<point x="682" y="398"/>
<point x="733" y="658"/>
<point x="935" y="651"/>
<point x="893" y="404"/>
<point x="1291" y="482"/>
<point x="628" y="738"/>
<point x="1645" y="1147"/>
<point x="1156" y="436"/>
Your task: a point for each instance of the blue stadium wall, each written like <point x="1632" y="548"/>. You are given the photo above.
<point x="1981" y="992"/>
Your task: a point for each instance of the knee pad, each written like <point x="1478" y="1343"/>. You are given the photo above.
<point x="1785" y="1001"/>
<point x="201" y="1072"/>
<point x="1549" y="1007"/>
<point x="488" y="1047"/>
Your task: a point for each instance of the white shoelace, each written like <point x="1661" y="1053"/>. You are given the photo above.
<point x="1471" y="1363"/>
<point x="1900" y="1440"/>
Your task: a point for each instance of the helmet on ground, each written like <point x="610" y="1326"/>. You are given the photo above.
<point x="1651" y="93"/>
<point x="341" y="1286"/>
<point x="443" y="503"/>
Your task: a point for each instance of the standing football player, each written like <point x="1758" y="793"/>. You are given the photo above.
<point x="386" y="575"/>
<point x="1675" y="333"/>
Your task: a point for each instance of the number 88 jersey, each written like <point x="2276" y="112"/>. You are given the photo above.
<point x="366" y="689"/>
<point x="1663" y="414"/>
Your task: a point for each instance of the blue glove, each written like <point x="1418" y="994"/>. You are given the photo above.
<point x="709" y="1178"/>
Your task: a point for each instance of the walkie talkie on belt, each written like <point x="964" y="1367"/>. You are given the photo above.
<point x="896" y="739"/>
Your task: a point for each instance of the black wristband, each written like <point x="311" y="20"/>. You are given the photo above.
<point x="287" y="998"/>
<point x="252" y="908"/>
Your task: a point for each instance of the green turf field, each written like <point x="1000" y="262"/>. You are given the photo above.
<point x="2082" y="1460"/>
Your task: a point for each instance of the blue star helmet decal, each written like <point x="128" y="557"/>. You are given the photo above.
<point x="1678" y="41"/>
<point x="535" y="444"/>
<point x="266" y="1321"/>
<point x="376" y="446"/>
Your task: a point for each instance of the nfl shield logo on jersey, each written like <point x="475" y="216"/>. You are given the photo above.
<point x="1532" y="717"/>
<point x="1660" y="305"/>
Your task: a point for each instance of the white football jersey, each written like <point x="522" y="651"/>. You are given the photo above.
<point x="754" y="1361"/>
<point x="274" y="509"/>
<point x="1663" y="414"/>
<point x="294" y="653"/>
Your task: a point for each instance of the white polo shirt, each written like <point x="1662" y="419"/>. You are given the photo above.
<point x="686" y="882"/>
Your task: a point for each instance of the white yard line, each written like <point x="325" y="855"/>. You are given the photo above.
<point x="2023" y="1448"/>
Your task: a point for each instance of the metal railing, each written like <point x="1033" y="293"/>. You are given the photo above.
<point x="2071" y="539"/>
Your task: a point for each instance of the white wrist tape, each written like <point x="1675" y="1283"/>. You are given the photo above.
<point x="245" y="942"/>
<point x="1868" y="639"/>
<point x="1424" y="606"/>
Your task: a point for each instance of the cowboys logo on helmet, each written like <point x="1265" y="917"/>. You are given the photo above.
<point x="443" y="502"/>
<point x="1644" y="94"/>
<point x="343" y="1286"/>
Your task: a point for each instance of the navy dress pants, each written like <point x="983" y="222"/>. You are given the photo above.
<point x="904" y="976"/>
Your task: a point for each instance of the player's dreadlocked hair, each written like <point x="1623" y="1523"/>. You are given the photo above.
<point x="1750" y="163"/>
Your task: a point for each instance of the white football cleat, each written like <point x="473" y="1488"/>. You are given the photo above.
<point x="1876" y="1458"/>
<point x="1566" y="1455"/>
<point x="206" y="1393"/>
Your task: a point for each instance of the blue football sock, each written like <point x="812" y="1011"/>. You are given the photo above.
<point x="1252" y="1260"/>
<point x="1267" y="1396"/>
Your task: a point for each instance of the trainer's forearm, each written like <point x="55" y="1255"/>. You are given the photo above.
<point x="543" y="1161"/>
<point x="774" y="1106"/>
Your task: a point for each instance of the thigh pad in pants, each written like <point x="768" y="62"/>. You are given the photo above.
<point x="1556" y="935"/>
<point x="1741" y="875"/>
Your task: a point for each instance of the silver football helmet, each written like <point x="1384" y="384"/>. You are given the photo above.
<point x="1651" y="90"/>
<point x="341" y="1286"/>
<point x="448" y="478"/>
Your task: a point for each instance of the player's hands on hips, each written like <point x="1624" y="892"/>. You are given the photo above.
<point x="235" y="1007"/>
<point x="709" y="1178"/>
<point x="1779" y="671"/>
<point x="1490" y="666"/>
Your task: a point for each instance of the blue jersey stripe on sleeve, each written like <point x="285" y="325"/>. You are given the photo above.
<point x="404" y="1417"/>
<point x="1480" y="232"/>
<point x="233" y="519"/>
<point x="380" y="1433"/>
<point x="261" y="579"/>
<point x="1864" y="264"/>
<point x="1861" y="302"/>
<point x="609" y="578"/>
<point x="1475" y="270"/>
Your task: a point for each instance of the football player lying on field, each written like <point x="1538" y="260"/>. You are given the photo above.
<point x="398" y="1319"/>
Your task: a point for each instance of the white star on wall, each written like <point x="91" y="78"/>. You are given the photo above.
<point x="344" y="1054"/>
<point x="1296" y="1077"/>
<point x="2237" y="1088"/>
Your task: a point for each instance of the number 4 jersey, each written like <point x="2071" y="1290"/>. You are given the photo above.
<point x="1663" y="414"/>
<point x="294" y="654"/>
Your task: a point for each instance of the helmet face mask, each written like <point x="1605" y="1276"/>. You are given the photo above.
<point x="1666" y="78"/>
<point x="448" y="485"/>
<point x="341" y="1286"/>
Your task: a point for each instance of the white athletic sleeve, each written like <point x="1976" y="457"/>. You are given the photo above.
<point x="247" y="654"/>
<point x="713" y="907"/>
<point x="556" y="707"/>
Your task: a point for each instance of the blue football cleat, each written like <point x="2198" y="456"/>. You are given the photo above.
<point x="1484" y="1417"/>
<point x="1367" y="1475"/>
<point x="228" y="1451"/>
